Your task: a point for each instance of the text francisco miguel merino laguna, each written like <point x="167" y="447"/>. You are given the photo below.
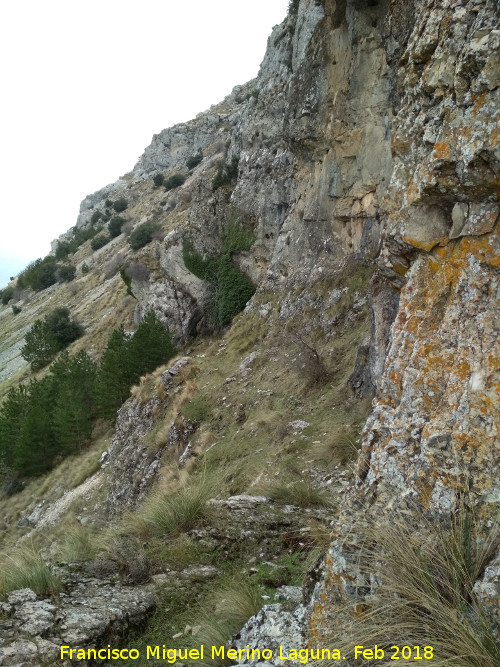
<point x="173" y="654"/>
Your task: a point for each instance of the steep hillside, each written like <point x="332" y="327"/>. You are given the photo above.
<point x="325" y="236"/>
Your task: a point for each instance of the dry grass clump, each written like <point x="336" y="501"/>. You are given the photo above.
<point x="339" y="448"/>
<point x="172" y="513"/>
<point x="25" y="568"/>
<point x="79" y="545"/>
<point x="227" y="610"/>
<point x="301" y="493"/>
<point x="425" y="595"/>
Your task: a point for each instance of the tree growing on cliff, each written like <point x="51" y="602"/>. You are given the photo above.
<point x="125" y="359"/>
<point x="74" y="409"/>
<point x="48" y="336"/>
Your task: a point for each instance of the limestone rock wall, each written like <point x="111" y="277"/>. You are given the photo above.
<point x="433" y="433"/>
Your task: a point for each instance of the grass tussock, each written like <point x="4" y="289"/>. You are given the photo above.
<point x="224" y="614"/>
<point x="25" y="568"/>
<point x="338" y="448"/>
<point x="301" y="493"/>
<point x="425" y="595"/>
<point x="173" y="513"/>
<point x="79" y="545"/>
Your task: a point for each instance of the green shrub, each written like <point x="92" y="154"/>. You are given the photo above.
<point x="7" y="294"/>
<point x="115" y="226"/>
<point x="227" y="173"/>
<point x="16" y="310"/>
<point x="142" y="235"/>
<point x="66" y="272"/>
<point x="85" y="268"/>
<point x="39" y="275"/>
<point x="158" y="180"/>
<point x="63" y="250"/>
<point x="63" y="327"/>
<point x="120" y="204"/>
<point x="108" y="203"/>
<point x="96" y="216"/>
<point x="232" y="289"/>
<point x="174" y="181"/>
<point x="99" y="241"/>
<point x="81" y="235"/>
<point x="194" y="160"/>
<point x="127" y="280"/>
<point x="198" y="409"/>
<point x="293" y="7"/>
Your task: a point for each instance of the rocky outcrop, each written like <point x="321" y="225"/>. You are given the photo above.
<point x="92" y="610"/>
<point x="133" y="465"/>
<point x="432" y="437"/>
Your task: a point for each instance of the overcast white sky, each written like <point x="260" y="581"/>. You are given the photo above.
<point x="86" y="83"/>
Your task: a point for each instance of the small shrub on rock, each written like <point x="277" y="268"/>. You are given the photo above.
<point x="194" y="160"/>
<point x="115" y="226"/>
<point x="142" y="235"/>
<point x="99" y="241"/>
<point x="120" y="204"/>
<point x="227" y="173"/>
<point x="174" y="181"/>
<point x="96" y="216"/>
<point x="158" y="180"/>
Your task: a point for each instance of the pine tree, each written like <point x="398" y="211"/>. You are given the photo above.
<point x="40" y="345"/>
<point x="150" y="346"/>
<point x="112" y="383"/>
<point x="74" y="409"/>
<point x="12" y="416"/>
<point x="126" y="359"/>
<point x="37" y="446"/>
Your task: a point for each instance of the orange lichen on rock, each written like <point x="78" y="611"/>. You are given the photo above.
<point x="441" y="151"/>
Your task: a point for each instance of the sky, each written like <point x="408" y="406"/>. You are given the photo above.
<point x="86" y="83"/>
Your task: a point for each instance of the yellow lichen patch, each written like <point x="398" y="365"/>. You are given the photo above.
<point x="441" y="151"/>
<point x="479" y="102"/>
<point x="400" y="269"/>
<point x="421" y="245"/>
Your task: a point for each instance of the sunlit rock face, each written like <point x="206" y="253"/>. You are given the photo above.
<point x="432" y="437"/>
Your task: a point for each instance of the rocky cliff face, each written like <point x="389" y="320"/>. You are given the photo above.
<point x="370" y="132"/>
<point x="370" y="137"/>
<point x="432" y="436"/>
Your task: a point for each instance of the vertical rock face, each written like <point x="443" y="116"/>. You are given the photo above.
<point x="433" y="432"/>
